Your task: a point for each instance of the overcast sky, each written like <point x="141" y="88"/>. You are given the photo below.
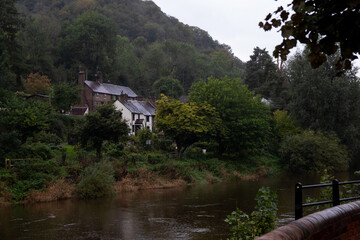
<point x="233" y="22"/>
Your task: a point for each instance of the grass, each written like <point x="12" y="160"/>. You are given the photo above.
<point x="68" y="173"/>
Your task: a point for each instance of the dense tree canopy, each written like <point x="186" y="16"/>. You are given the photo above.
<point x="322" y="101"/>
<point x="168" y="86"/>
<point x="105" y="124"/>
<point x="263" y="77"/>
<point x="64" y="96"/>
<point x="245" y="118"/>
<point x="90" y="40"/>
<point x="325" y="26"/>
<point x="186" y="123"/>
<point x="131" y="41"/>
<point x="37" y="84"/>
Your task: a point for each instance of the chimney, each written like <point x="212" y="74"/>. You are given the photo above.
<point x="99" y="77"/>
<point x="123" y="96"/>
<point x="81" y="78"/>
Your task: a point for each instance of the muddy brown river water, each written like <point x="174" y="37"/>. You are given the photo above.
<point x="194" y="212"/>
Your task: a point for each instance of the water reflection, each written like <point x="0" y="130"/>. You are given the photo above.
<point x="195" y="212"/>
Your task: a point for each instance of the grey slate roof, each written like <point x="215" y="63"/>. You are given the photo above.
<point x="140" y="107"/>
<point x="111" y="89"/>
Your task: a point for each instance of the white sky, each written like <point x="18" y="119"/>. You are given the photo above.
<point x="232" y="22"/>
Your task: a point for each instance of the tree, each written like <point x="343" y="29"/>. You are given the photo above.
<point x="7" y="77"/>
<point x="124" y="68"/>
<point x="9" y="26"/>
<point x="35" y="38"/>
<point x="324" y="26"/>
<point x="25" y="117"/>
<point x="37" y="84"/>
<point x="168" y="86"/>
<point x="245" y="118"/>
<point x="105" y="123"/>
<point x="313" y="152"/>
<point x="90" y="40"/>
<point x="65" y="95"/>
<point x="263" y="77"/>
<point x="186" y="123"/>
<point x="321" y="101"/>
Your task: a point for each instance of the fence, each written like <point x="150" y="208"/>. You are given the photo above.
<point x="335" y="195"/>
<point x="9" y="162"/>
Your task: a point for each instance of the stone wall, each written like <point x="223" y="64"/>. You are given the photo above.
<point x="337" y="223"/>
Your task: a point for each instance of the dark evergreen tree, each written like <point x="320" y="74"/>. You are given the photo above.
<point x="263" y="77"/>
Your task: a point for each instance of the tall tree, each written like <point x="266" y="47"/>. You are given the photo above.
<point x="263" y="77"/>
<point x="105" y="124"/>
<point x="37" y="84"/>
<point x="168" y="86"/>
<point x="186" y="123"/>
<point x="10" y="50"/>
<point x="88" y="41"/>
<point x="322" y="101"/>
<point x="65" y="95"/>
<point x="325" y="26"/>
<point x="245" y="118"/>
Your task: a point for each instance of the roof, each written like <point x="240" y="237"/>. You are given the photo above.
<point x="140" y="107"/>
<point x="109" y="88"/>
<point x="78" y="110"/>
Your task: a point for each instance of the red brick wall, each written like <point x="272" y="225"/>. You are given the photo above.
<point x="337" y="223"/>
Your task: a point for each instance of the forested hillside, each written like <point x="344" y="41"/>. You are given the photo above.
<point x="131" y="41"/>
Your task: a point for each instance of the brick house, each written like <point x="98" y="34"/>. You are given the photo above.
<point x="97" y="92"/>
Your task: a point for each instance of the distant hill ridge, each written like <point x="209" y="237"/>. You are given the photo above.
<point x="133" y="17"/>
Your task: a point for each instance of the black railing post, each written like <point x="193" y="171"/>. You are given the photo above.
<point x="335" y="192"/>
<point x="298" y="201"/>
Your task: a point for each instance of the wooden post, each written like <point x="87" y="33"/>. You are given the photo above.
<point x="298" y="201"/>
<point x="335" y="192"/>
<point x="7" y="163"/>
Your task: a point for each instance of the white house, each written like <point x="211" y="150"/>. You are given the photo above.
<point x="138" y="114"/>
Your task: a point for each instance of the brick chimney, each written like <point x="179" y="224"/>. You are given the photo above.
<point x="81" y="78"/>
<point x="99" y="77"/>
<point x="123" y="96"/>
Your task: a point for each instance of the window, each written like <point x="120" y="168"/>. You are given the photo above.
<point x="147" y="118"/>
<point x="113" y="97"/>
<point x="133" y="116"/>
<point x="97" y="95"/>
<point x="104" y="95"/>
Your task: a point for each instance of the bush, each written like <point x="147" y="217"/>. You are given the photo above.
<point x="96" y="181"/>
<point x="160" y="142"/>
<point x="37" y="150"/>
<point x="31" y="175"/>
<point x="313" y="152"/>
<point x="143" y="136"/>
<point x="48" y="138"/>
<point x="261" y="220"/>
<point x="114" y="150"/>
<point x="284" y="125"/>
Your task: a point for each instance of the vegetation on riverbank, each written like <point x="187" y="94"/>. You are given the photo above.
<point x="79" y="174"/>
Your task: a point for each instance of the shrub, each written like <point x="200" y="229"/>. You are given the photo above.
<point x="284" y="125"/>
<point x="143" y="136"/>
<point x="96" y="181"/>
<point x="313" y="152"/>
<point x="261" y="220"/>
<point x="37" y="150"/>
<point x="114" y="150"/>
<point x="160" y="142"/>
<point x="48" y="138"/>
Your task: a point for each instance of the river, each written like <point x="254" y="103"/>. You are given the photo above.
<point x="193" y="212"/>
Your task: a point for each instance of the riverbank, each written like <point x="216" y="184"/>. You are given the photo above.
<point x="80" y="175"/>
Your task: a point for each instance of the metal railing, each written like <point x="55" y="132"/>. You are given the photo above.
<point x="336" y="200"/>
